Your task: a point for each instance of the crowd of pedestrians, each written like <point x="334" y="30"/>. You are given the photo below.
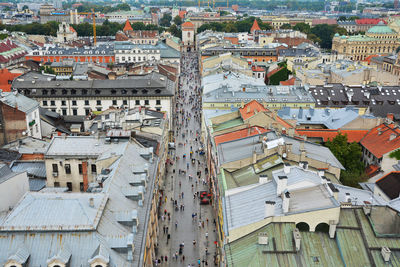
<point x="187" y="176"/>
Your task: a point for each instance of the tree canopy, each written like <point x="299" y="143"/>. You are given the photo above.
<point x="166" y="20"/>
<point x="178" y="20"/>
<point x="350" y="156"/>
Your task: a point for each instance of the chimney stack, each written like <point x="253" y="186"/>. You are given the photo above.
<point x="297" y="238"/>
<point x="286" y="201"/>
<point x="269" y="209"/>
<point x="286" y="168"/>
<point x="262" y="239"/>
<point x="303" y="165"/>
<point x="385" y="251"/>
<point x="263" y="178"/>
<point x="282" y="184"/>
<point x="91" y="202"/>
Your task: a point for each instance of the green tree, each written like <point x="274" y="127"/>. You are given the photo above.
<point x="302" y="27"/>
<point x="223" y="13"/>
<point x="175" y="31"/>
<point x="178" y="20"/>
<point x="166" y="20"/>
<point x="124" y="7"/>
<point x="342" y="18"/>
<point x="25" y="7"/>
<point x="286" y="26"/>
<point x="325" y="33"/>
<point x="350" y="156"/>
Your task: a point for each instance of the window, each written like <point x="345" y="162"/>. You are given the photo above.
<point x="158" y="102"/>
<point x="67" y="168"/>
<point x="87" y="111"/>
<point x="86" y="102"/>
<point x="94" y="168"/>
<point x="98" y="109"/>
<point x="158" y="109"/>
<point x="74" y="102"/>
<point x="114" y="102"/>
<point x="63" y="103"/>
<point x="81" y="186"/>
<point x="55" y="167"/>
<point x="56" y="184"/>
<point x="52" y="103"/>
<point x="98" y="102"/>
<point x="44" y="103"/>
<point x="137" y="102"/>
<point x="53" y="109"/>
<point x="69" y="185"/>
<point x="75" y="112"/>
<point x="64" y="112"/>
<point x="146" y="102"/>
<point x="125" y="102"/>
<point x="80" y="168"/>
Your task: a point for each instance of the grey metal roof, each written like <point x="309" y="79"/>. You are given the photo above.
<point x="248" y="205"/>
<point x="242" y="148"/>
<point x="63" y="212"/>
<point x="90" y="146"/>
<point x="153" y="84"/>
<point x="28" y="145"/>
<point x="33" y="168"/>
<point x="229" y="80"/>
<point x="375" y="97"/>
<point x="36" y="184"/>
<point x="314" y="151"/>
<point x="331" y="118"/>
<point x="101" y="49"/>
<point x="267" y="93"/>
<point x="19" y="101"/>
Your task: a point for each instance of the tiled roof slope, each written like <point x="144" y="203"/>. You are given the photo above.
<point x="382" y="139"/>
<point x="239" y="134"/>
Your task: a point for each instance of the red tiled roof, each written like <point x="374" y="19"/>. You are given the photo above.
<point x="292" y="41"/>
<point x="182" y="13"/>
<point x="382" y="139"/>
<point x="371" y="170"/>
<point x="71" y="29"/>
<point x="291" y="81"/>
<point x="5" y="78"/>
<point x="255" y="26"/>
<point x="369" y="58"/>
<point x="324" y="21"/>
<point x="127" y="26"/>
<point x="187" y="24"/>
<point x="329" y="134"/>
<point x="257" y="68"/>
<point x="273" y="72"/>
<point x="254" y="130"/>
<point x="254" y="105"/>
<point x="369" y="21"/>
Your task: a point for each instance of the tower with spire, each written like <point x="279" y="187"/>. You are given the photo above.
<point x="255" y="27"/>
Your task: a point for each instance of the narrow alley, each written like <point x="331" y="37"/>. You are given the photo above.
<point x="187" y="229"/>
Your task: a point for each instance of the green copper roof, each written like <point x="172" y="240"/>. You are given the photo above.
<point x="380" y="29"/>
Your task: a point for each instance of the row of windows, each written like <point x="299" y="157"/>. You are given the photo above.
<point x="98" y="102"/>
<point x="67" y="168"/>
<point x="85" y="91"/>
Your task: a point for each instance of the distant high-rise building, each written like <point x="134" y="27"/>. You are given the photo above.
<point x="396" y="4"/>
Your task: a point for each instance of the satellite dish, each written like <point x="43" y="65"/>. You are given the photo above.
<point x="23" y="133"/>
<point x="284" y="155"/>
